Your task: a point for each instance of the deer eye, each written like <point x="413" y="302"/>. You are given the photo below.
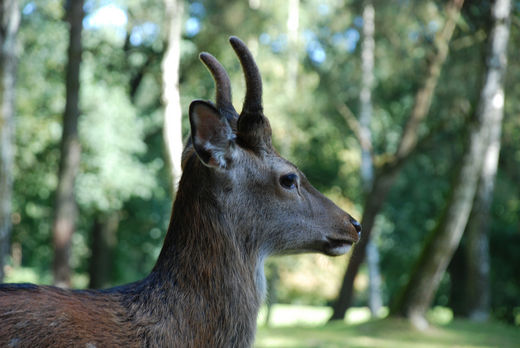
<point x="289" y="181"/>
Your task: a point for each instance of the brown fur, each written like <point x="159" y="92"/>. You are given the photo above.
<point x="44" y="316"/>
<point x="231" y="211"/>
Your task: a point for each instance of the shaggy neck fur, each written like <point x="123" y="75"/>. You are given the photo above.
<point x="207" y="285"/>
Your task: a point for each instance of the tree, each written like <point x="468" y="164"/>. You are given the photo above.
<point x="386" y="175"/>
<point x="367" y="164"/>
<point x="427" y="273"/>
<point x="9" y="23"/>
<point x="171" y="94"/>
<point x="477" y="241"/>
<point x="65" y="214"/>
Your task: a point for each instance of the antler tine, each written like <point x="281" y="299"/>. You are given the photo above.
<point x="222" y="85"/>
<point x="253" y="99"/>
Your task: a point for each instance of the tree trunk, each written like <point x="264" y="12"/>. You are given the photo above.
<point x="375" y="301"/>
<point x="458" y="292"/>
<point x="476" y="252"/>
<point x="439" y="248"/>
<point x="477" y="248"/>
<point x="365" y="97"/>
<point x="386" y="176"/>
<point x="171" y="94"/>
<point x="66" y="210"/>
<point x="104" y="240"/>
<point x="477" y="258"/>
<point x="372" y="206"/>
<point x="443" y="241"/>
<point x="9" y="23"/>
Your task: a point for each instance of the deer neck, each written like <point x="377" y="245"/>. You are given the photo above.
<point x="206" y="276"/>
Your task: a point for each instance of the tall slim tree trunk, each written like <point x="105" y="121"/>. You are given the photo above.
<point x="372" y="206"/>
<point x="9" y="23"/>
<point x="66" y="210"/>
<point x="365" y="97"/>
<point x="104" y="240"/>
<point x="418" y="293"/>
<point x="171" y="94"/>
<point x="477" y="246"/>
<point x="375" y="301"/>
<point x="386" y="176"/>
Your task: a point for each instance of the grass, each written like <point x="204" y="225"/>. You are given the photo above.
<point x="290" y="329"/>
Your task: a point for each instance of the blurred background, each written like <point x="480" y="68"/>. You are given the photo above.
<point x="403" y="112"/>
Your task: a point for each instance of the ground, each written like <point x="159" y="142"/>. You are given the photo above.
<point x="357" y="332"/>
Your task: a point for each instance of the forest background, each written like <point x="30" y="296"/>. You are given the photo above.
<point x="382" y="104"/>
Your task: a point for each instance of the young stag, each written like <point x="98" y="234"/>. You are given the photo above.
<point x="238" y="201"/>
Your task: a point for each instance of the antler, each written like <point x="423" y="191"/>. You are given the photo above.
<point x="222" y="86"/>
<point x="253" y="126"/>
<point x="253" y="99"/>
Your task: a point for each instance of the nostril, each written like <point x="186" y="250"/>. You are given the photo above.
<point x="356" y="224"/>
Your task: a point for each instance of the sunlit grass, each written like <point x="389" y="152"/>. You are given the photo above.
<point x="291" y="315"/>
<point x="31" y="275"/>
<point x="303" y="326"/>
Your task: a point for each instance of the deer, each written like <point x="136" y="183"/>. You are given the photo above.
<point x="238" y="201"/>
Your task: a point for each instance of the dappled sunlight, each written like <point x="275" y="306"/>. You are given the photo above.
<point x="302" y="315"/>
<point x="387" y="332"/>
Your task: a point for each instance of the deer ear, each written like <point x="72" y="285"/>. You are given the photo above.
<point x="211" y="134"/>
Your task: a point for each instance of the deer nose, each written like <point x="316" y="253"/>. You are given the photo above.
<point x="356" y="225"/>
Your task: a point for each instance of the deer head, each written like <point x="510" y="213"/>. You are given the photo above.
<point x="268" y="202"/>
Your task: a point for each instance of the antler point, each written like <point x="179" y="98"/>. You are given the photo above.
<point x="204" y="55"/>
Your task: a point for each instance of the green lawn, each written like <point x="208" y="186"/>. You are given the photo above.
<point x="378" y="333"/>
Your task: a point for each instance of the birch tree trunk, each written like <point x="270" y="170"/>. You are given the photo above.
<point x="9" y="23"/>
<point x="171" y="94"/>
<point x="65" y="212"/>
<point x="424" y="281"/>
<point x="375" y="301"/>
<point x="385" y="177"/>
<point x="477" y="243"/>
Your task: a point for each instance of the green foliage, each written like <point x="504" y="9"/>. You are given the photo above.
<point x="112" y="171"/>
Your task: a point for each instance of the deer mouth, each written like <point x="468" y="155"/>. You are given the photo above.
<point x="338" y="246"/>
